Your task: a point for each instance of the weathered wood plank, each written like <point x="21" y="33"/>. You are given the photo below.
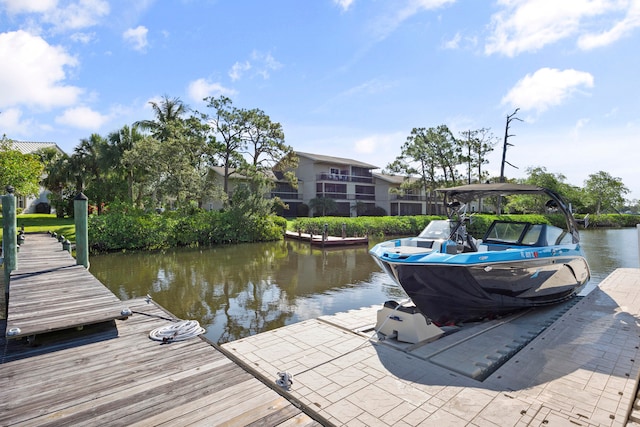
<point x="48" y="292"/>
<point x="111" y="372"/>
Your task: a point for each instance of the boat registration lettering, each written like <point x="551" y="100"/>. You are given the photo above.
<point x="530" y="254"/>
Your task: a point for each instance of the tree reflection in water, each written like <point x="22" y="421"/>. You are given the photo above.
<point x="240" y="290"/>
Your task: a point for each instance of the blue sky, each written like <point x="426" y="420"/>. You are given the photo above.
<point x="348" y="78"/>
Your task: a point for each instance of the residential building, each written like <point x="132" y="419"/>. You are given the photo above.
<point x="397" y="201"/>
<point x="352" y="184"/>
<point x="41" y="203"/>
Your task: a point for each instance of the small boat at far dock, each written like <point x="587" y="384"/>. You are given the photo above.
<point x="451" y="277"/>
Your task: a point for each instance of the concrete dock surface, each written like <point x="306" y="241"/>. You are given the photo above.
<point x="581" y="369"/>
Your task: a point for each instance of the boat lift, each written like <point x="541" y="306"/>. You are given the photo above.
<point x="405" y="323"/>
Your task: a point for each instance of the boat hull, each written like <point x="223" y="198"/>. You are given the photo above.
<point x="452" y="293"/>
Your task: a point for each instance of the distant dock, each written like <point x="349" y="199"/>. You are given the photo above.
<point x="326" y="241"/>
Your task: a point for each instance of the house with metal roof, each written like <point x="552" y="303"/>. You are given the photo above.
<point x="41" y="203"/>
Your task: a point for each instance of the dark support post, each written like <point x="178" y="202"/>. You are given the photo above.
<point x="81" y="214"/>
<point x="9" y="240"/>
<point x="9" y="233"/>
<point x="344" y="230"/>
<point x="325" y="234"/>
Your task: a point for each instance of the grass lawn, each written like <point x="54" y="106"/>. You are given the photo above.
<point x="41" y="223"/>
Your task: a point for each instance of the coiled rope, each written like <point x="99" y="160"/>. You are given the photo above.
<point x="179" y="331"/>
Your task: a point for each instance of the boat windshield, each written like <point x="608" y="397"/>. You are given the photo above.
<point x="438" y="229"/>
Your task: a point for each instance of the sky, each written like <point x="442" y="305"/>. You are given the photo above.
<point x="345" y="78"/>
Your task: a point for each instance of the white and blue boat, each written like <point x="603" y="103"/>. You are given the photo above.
<point x="452" y="277"/>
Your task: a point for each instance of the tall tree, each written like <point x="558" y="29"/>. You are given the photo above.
<point x="121" y="142"/>
<point x="59" y="179"/>
<point x="476" y="145"/>
<point x="226" y="140"/>
<point x="182" y="154"/>
<point x="22" y="171"/>
<point x="166" y="111"/>
<point x="605" y="191"/>
<point x="267" y="151"/>
<point x="539" y="176"/>
<point x="432" y="156"/>
<point x="89" y="162"/>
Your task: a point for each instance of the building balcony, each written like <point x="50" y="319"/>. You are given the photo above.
<point x="407" y="197"/>
<point x="286" y="195"/>
<point x="346" y="196"/>
<point x="344" y="178"/>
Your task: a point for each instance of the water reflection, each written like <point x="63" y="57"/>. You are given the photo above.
<point x="608" y="249"/>
<point x="240" y="290"/>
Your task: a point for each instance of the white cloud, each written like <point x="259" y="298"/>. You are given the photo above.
<point x="264" y="63"/>
<point x="82" y="118"/>
<point x="12" y="124"/>
<point x="33" y="72"/>
<point x="73" y="15"/>
<point x="580" y="124"/>
<point x="529" y="25"/>
<point x="619" y="30"/>
<point x="344" y="4"/>
<point x="84" y="38"/>
<point x="202" y="88"/>
<point x="372" y="86"/>
<point x="136" y="37"/>
<point x="546" y="88"/>
<point x="454" y="43"/>
<point x="15" y="7"/>
<point x="398" y="13"/>
<point x="378" y="143"/>
<point x="238" y="69"/>
<point x="261" y="64"/>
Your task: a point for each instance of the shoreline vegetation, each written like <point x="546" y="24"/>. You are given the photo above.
<point x="135" y="230"/>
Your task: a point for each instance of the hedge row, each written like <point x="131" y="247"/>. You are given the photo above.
<point x="412" y="225"/>
<point x="133" y="230"/>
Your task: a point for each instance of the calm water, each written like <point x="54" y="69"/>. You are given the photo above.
<point x="241" y="290"/>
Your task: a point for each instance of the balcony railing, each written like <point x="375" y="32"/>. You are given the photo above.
<point x="286" y="195"/>
<point x="345" y="196"/>
<point x="344" y="178"/>
<point x="408" y="197"/>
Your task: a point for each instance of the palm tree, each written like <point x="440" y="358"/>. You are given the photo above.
<point x="323" y="204"/>
<point x="167" y="111"/>
<point x="122" y="142"/>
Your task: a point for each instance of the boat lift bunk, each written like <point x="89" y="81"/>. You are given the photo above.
<point x="405" y="323"/>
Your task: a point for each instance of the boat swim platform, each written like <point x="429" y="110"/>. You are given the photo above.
<point x="49" y="292"/>
<point x="576" y="364"/>
<point x="113" y="374"/>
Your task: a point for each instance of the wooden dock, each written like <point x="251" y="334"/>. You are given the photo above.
<point x="49" y="292"/>
<point x="111" y="373"/>
<point x="328" y="241"/>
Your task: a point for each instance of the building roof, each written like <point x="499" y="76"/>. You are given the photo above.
<point x="336" y="160"/>
<point x="394" y="179"/>
<point x="26" y="147"/>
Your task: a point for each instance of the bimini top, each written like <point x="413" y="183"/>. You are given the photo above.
<point x="467" y="193"/>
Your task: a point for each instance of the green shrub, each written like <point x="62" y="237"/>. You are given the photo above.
<point x="130" y="229"/>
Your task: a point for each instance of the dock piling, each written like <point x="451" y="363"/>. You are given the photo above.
<point x="80" y="214"/>
<point x="10" y="237"/>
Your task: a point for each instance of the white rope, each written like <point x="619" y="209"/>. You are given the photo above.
<point x="179" y="331"/>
